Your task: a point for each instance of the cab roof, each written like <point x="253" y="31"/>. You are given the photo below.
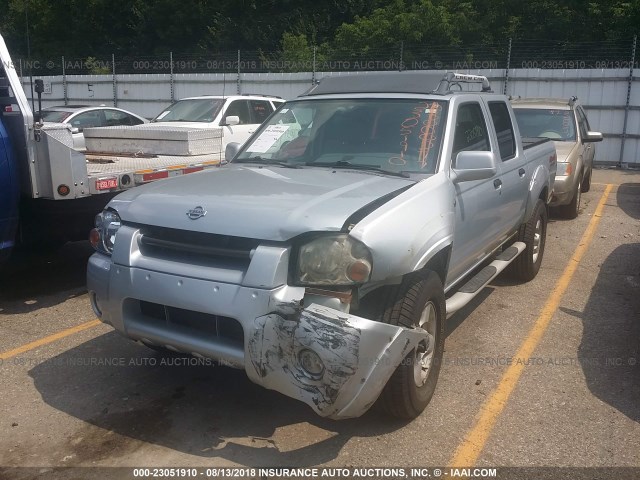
<point x="399" y="82"/>
<point x="544" y="103"/>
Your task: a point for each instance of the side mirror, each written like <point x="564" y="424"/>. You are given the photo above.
<point x="471" y="166"/>
<point x="231" y="120"/>
<point x="231" y="150"/>
<point x="76" y="130"/>
<point x="592" y="137"/>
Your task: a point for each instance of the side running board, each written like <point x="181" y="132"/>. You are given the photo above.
<point x="469" y="290"/>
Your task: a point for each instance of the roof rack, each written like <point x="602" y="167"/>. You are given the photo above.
<point x="397" y="82"/>
<point x="452" y="79"/>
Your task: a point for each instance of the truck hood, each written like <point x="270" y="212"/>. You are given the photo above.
<point x="268" y="203"/>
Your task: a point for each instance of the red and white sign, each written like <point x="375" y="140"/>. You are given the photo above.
<point x="106" y="183"/>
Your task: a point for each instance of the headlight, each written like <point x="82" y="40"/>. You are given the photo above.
<point x="333" y="260"/>
<point x="104" y="235"/>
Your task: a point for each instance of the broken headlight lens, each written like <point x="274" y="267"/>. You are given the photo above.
<point x="333" y="260"/>
<point x="103" y="236"/>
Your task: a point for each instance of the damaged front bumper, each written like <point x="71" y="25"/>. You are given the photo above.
<point x="334" y="362"/>
<point x="355" y="358"/>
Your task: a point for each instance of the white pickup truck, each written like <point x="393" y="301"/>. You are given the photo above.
<point x="325" y="257"/>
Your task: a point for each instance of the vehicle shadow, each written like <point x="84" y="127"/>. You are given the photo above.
<point x="32" y="280"/>
<point x="628" y="198"/>
<point x="116" y="386"/>
<point x="609" y="352"/>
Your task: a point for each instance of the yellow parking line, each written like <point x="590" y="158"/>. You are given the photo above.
<point x="469" y="450"/>
<point x="49" y="339"/>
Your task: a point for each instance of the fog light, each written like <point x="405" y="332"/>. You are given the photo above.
<point x="95" y="304"/>
<point x="311" y="363"/>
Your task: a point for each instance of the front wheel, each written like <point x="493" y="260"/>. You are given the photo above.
<point x="572" y="209"/>
<point x="586" y="182"/>
<point x="419" y="303"/>
<point x="533" y="234"/>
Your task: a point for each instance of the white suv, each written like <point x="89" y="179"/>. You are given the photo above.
<point x="238" y="115"/>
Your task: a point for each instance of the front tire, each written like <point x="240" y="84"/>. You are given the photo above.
<point x="586" y="182"/>
<point x="533" y="234"/>
<point x="418" y="303"/>
<point x="572" y="210"/>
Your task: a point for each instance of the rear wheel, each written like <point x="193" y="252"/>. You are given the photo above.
<point x="418" y="303"/>
<point x="533" y="234"/>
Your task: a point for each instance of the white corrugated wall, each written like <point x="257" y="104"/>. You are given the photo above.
<point x="602" y="92"/>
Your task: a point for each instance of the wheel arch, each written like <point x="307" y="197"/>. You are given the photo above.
<point x="439" y="262"/>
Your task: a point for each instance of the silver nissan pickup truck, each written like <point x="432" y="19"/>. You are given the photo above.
<point x="326" y="254"/>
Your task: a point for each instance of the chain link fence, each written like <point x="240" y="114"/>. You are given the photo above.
<point x="600" y="73"/>
<point x="507" y="55"/>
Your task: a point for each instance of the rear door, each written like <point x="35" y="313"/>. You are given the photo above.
<point x="514" y="169"/>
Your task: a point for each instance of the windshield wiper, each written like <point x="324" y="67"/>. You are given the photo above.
<point x="267" y="161"/>
<point x="357" y="166"/>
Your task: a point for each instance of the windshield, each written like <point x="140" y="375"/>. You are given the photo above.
<point x="54" y="116"/>
<point x="546" y="123"/>
<point x="400" y="135"/>
<point x="191" y="110"/>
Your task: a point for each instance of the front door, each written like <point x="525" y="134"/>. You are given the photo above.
<point x="477" y="203"/>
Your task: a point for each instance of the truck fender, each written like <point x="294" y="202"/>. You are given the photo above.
<point x="540" y="180"/>
<point x="441" y="246"/>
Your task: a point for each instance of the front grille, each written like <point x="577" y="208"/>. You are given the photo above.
<point x="204" y="324"/>
<point x="195" y="247"/>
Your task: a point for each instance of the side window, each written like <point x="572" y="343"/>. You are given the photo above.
<point x="116" y="117"/>
<point x="260" y="110"/>
<point x="504" y="129"/>
<point x="239" y="108"/>
<point x="471" y="130"/>
<point x="584" y="123"/>
<point x="88" y="119"/>
<point x="134" y="120"/>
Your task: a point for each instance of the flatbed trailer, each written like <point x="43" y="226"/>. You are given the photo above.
<point x="51" y="192"/>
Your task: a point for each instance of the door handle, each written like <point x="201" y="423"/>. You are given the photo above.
<point x="521" y="172"/>
<point x="497" y="183"/>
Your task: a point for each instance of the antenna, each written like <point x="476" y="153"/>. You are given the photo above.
<point x="224" y="85"/>
<point x="26" y="20"/>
